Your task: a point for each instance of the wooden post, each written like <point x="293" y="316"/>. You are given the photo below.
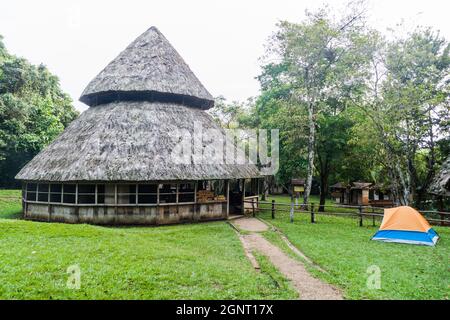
<point x="273" y="209"/>
<point x="291" y="215"/>
<point x="115" y="200"/>
<point x="253" y="207"/>
<point x="243" y="197"/>
<point x="257" y="186"/>
<point x="360" y="216"/>
<point x="373" y="217"/>
<point x="440" y="203"/>
<point x="76" y="193"/>
<point x="228" y="197"/>
<point x="312" y="213"/>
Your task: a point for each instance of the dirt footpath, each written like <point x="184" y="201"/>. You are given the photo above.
<point x="308" y="287"/>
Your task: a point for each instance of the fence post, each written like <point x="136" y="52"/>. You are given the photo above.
<point x="292" y="210"/>
<point x="373" y="217"/>
<point x="273" y="209"/>
<point x="312" y="213"/>
<point x="360" y="216"/>
<point x="253" y="207"/>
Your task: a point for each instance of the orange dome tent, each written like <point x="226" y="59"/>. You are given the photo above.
<point x="405" y="225"/>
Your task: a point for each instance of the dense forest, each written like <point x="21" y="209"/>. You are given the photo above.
<point x="33" y="111"/>
<point x="352" y="104"/>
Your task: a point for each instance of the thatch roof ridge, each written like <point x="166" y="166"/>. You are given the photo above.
<point x="128" y="141"/>
<point x="441" y="182"/>
<point x="148" y="69"/>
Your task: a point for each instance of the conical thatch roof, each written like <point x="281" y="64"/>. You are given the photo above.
<point x="441" y="183"/>
<point x="339" y="185"/>
<point x="129" y="141"/>
<point x="133" y="137"/>
<point x="149" y="68"/>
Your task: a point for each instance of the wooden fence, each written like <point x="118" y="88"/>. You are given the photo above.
<point x="362" y="213"/>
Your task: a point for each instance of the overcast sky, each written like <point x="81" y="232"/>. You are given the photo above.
<point x="220" y="40"/>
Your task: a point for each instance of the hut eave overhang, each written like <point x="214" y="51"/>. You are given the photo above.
<point x="104" y="97"/>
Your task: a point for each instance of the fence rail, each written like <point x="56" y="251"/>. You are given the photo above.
<point x="359" y="212"/>
<point x="9" y="198"/>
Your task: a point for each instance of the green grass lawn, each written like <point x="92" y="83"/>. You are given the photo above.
<point x="10" y="204"/>
<point x="205" y="261"/>
<point x="196" y="261"/>
<point x="345" y="250"/>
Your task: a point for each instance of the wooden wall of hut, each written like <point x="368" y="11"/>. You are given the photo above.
<point x="126" y="203"/>
<point x="138" y="203"/>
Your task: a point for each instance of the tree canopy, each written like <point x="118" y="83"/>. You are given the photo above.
<point x="352" y="105"/>
<point x="33" y="111"/>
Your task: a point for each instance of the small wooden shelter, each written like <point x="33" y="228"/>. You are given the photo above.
<point x="340" y="193"/>
<point x="380" y="196"/>
<point x="298" y="186"/>
<point x="361" y="193"/>
<point x="114" y="165"/>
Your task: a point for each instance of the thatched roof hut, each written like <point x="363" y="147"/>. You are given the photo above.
<point x="440" y="185"/>
<point x="141" y="105"/>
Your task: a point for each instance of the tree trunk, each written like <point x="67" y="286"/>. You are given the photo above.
<point x="431" y="160"/>
<point x="440" y="204"/>
<point x="265" y="189"/>
<point x="404" y="196"/>
<point x="324" y="173"/>
<point x="311" y="143"/>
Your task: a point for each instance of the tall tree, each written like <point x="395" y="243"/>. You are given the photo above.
<point x="322" y="59"/>
<point x="409" y="109"/>
<point x="332" y="145"/>
<point x="33" y="111"/>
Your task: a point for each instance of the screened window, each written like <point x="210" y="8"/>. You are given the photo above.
<point x="126" y="193"/>
<point x="167" y="193"/>
<point x="187" y="187"/>
<point x="251" y="187"/>
<point x="86" y="193"/>
<point x="55" y="193"/>
<point x="101" y="193"/>
<point x="31" y="191"/>
<point x="218" y="187"/>
<point x="186" y="192"/>
<point x="43" y="192"/>
<point x="106" y="193"/>
<point x="211" y="190"/>
<point x="186" y="197"/>
<point x="147" y="193"/>
<point x="69" y="193"/>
